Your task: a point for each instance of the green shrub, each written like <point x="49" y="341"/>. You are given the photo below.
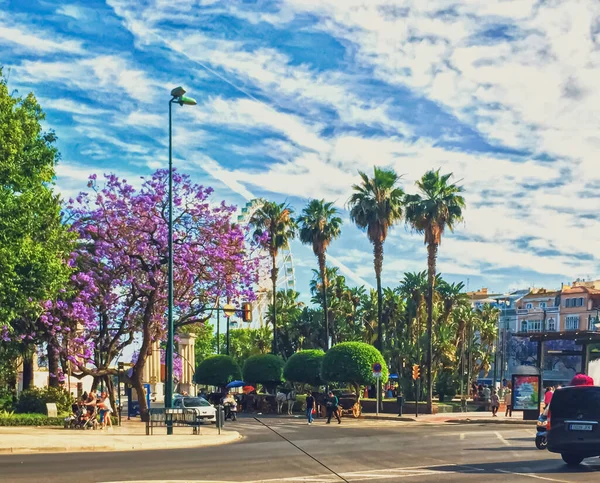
<point x="12" y="419"/>
<point x="305" y="367"/>
<point x="265" y="369"/>
<point x="217" y="371"/>
<point x="34" y="400"/>
<point x="447" y="386"/>
<point x="352" y="363"/>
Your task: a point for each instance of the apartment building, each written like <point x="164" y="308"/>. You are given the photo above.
<point x="539" y="311"/>
<point x="580" y="306"/>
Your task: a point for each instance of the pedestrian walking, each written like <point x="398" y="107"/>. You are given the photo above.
<point x="495" y="400"/>
<point x="487" y="395"/>
<point x="508" y="401"/>
<point x="332" y="408"/>
<point x="310" y="407"/>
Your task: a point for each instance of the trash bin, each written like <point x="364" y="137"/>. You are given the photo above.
<point x="400" y="401"/>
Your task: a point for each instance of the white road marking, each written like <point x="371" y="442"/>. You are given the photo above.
<point x="532" y="475"/>
<point x="501" y="438"/>
<point x="462" y="436"/>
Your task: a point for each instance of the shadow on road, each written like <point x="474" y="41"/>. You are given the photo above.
<point x="548" y="466"/>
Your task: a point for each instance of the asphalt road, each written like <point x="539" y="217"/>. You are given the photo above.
<point x="355" y="450"/>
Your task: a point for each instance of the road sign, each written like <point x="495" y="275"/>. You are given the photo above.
<point x="376" y="375"/>
<point x="377" y="367"/>
<point x="228" y="310"/>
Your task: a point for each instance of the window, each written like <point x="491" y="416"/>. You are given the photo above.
<point x="580" y="302"/>
<point x="529" y="306"/>
<point x="568" y="303"/>
<point x="542" y="305"/>
<point x="572" y="322"/>
<point x="551" y="325"/>
<point x="535" y="326"/>
<point x="592" y="321"/>
<point x="524" y="326"/>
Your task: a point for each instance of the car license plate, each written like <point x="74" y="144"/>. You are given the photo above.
<point x="580" y="427"/>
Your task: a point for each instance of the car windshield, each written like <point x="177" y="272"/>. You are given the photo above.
<point x="573" y="402"/>
<point x="194" y="402"/>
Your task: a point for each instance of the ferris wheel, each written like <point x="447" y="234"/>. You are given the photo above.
<point x="286" y="278"/>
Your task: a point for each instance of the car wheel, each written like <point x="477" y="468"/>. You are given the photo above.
<point x="572" y="459"/>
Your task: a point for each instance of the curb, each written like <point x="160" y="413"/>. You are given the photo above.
<point x="230" y="437"/>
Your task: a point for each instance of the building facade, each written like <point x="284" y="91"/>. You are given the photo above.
<point x="539" y="311"/>
<point x="580" y="306"/>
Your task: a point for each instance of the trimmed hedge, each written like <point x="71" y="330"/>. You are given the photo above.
<point x="305" y="367"/>
<point x="218" y="371"/>
<point x="352" y="362"/>
<point x="9" y="419"/>
<point x="34" y="400"/>
<point x="266" y="369"/>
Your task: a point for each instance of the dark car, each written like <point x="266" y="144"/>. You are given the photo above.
<point x="574" y="423"/>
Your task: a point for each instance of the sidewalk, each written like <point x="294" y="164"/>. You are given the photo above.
<point x="478" y="417"/>
<point x="131" y="436"/>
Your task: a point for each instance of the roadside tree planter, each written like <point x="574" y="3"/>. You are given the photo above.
<point x="352" y="363"/>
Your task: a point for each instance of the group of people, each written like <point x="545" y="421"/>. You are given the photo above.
<point x="96" y="405"/>
<point x="492" y="397"/>
<point x="331" y="408"/>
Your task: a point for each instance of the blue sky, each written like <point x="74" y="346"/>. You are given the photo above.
<point x="295" y="96"/>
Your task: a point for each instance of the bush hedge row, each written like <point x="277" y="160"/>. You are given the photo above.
<point x="8" y="419"/>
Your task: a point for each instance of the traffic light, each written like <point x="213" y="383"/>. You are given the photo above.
<point x="416" y="372"/>
<point x="247" y="312"/>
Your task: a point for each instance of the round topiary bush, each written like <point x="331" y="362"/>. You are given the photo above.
<point x="265" y="369"/>
<point x="305" y="367"/>
<point x="352" y="363"/>
<point x="217" y="371"/>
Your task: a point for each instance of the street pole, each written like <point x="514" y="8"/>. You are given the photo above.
<point x="177" y="95"/>
<point x="170" y="328"/>
<point x="378" y="392"/>
<point x="218" y="329"/>
<point x="227" y="337"/>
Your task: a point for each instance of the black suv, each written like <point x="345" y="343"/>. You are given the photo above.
<point x="574" y="423"/>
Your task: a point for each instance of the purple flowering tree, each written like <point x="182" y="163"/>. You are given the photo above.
<point x="120" y="288"/>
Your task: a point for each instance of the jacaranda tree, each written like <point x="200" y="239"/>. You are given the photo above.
<point x="121" y="285"/>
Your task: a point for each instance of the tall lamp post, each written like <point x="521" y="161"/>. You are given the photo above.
<point x="177" y="97"/>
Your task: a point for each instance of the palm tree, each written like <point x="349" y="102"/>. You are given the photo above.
<point x="375" y="206"/>
<point x="437" y="206"/>
<point x="319" y="225"/>
<point x="274" y="220"/>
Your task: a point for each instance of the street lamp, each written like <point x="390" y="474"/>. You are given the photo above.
<point x="177" y="97"/>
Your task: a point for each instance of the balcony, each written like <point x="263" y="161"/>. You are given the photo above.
<point x="538" y="310"/>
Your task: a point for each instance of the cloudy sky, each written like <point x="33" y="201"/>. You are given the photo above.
<point x="295" y="96"/>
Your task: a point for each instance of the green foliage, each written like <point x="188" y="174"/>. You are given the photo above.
<point x="217" y="371"/>
<point x="10" y="419"/>
<point x="245" y="343"/>
<point x="34" y="400"/>
<point x="205" y="343"/>
<point x="447" y="385"/>
<point x="264" y="369"/>
<point x="305" y="367"/>
<point x="352" y="362"/>
<point x="34" y="244"/>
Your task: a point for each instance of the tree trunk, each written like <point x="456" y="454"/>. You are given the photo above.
<point x="431" y="262"/>
<point x="378" y="262"/>
<point x="136" y="382"/>
<point x="274" y="271"/>
<point x="324" y="283"/>
<point x="53" y="366"/>
<point x="27" y="368"/>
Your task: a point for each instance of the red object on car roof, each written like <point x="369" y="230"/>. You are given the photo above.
<point x="582" y="380"/>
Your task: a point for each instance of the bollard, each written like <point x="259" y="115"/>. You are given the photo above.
<point x="400" y="401"/>
<point x="220" y="417"/>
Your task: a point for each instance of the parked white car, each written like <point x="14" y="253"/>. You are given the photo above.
<point x="203" y="409"/>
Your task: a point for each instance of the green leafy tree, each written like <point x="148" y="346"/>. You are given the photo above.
<point x="437" y="206"/>
<point x="288" y="311"/>
<point x="245" y="343"/>
<point x="205" y="344"/>
<point x="319" y="225"/>
<point x="375" y="206"/>
<point x="34" y="244"/>
<point x="352" y="363"/>
<point x="266" y="369"/>
<point x="305" y="367"/>
<point x="274" y="220"/>
<point x="218" y="370"/>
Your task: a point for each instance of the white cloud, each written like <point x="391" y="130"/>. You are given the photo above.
<point x="73" y="11"/>
<point x="18" y="36"/>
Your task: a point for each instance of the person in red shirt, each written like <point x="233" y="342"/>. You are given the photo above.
<point x="548" y="396"/>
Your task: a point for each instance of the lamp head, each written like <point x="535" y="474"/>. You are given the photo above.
<point x="188" y="101"/>
<point x="178" y="92"/>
